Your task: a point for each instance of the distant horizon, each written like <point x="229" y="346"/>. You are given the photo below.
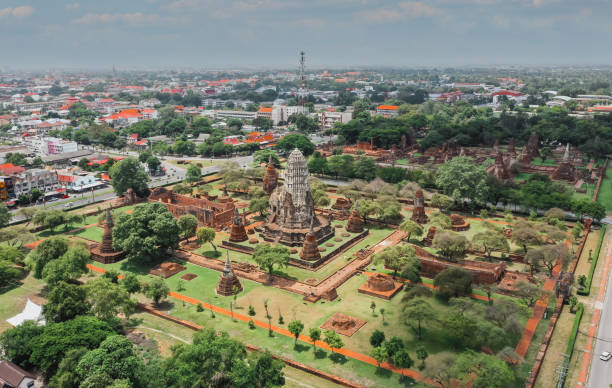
<point x="253" y="34"/>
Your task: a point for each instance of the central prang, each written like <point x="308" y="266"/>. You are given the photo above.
<point x="292" y="212"/>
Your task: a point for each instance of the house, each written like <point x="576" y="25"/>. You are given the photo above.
<point x="12" y="376"/>
<point x="327" y="119"/>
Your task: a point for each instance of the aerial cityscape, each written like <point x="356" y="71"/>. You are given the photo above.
<point x="261" y="193"/>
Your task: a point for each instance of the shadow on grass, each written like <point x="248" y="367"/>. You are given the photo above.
<point x="301" y="347"/>
<point x="211" y="254"/>
<point x="382" y="372"/>
<point x="338" y="358"/>
<point x="406" y="381"/>
<point x="133" y="322"/>
<point x="164" y="306"/>
<point x="320" y="353"/>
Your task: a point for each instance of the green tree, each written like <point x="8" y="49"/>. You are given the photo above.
<point x="57" y="339"/>
<point x="147" y="233"/>
<point x="315" y="335"/>
<point x="115" y="359"/>
<point x="188" y="224"/>
<point x="153" y="163"/>
<point x="402" y="359"/>
<point x="10" y="272"/>
<point x="482" y="371"/>
<point x="129" y="173"/>
<point x="441" y="201"/>
<point x="490" y="242"/>
<point x="395" y="257"/>
<point x="295" y="140"/>
<point x="270" y="256"/>
<point x="156" y="289"/>
<point x="525" y="236"/>
<point x="17" y="343"/>
<point x="50" y="249"/>
<point x="454" y="282"/>
<point x="333" y="340"/>
<point x="131" y="283"/>
<point x="194" y="173"/>
<point x="65" y="302"/>
<point x="296" y="327"/>
<point x="450" y="245"/>
<point x="411" y="228"/>
<point x="463" y="180"/>
<point x="206" y="235"/>
<point x="415" y="313"/>
<point x="66" y="376"/>
<point x="377" y="338"/>
<point x="379" y="354"/>
<point x="107" y="299"/>
<point x="259" y="205"/>
<point x="422" y="355"/>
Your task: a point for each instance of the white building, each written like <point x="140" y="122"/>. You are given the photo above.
<point x="327" y="119"/>
<point x="56" y="146"/>
<point x="38" y="178"/>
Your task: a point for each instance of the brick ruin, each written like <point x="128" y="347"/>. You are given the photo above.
<point x="483" y="272"/>
<point x="104" y="252"/>
<point x="565" y="171"/>
<point x="217" y="213"/>
<point x="381" y="286"/>
<point x="271" y="178"/>
<point x="418" y="213"/>
<point x="431" y="233"/>
<point x="238" y="232"/>
<point x="292" y="212"/>
<point x="167" y="269"/>
<point x="310" y="249"/>
<point x="459" y="223"/>
<point x="501" y="168"/>
<point x="355" y="223"/>
<point x="228" y="282"/>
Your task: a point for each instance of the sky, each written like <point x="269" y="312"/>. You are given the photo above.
<point x="212" y="34"/>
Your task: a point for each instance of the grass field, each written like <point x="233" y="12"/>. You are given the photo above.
<point x="605" y="192"/>
<point x="13" y="300"/>
<point x="548" y="162"/>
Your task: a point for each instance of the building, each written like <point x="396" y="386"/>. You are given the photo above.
<point x="12" y="376"/>
<point x="327" y="119"/>
<point x="387" y="110"/>
<point x="55" y="146"/>
<point x="235" y="114"/>
<point x="468" y="85"/>
<point x="37" y="178"/>
<point x="78" y="182"/>
<point x="265" y="113"/>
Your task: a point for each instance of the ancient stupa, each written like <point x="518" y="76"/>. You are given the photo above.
<point x="238" y="232"/>
<point x="271" y="178"/>
<point x="565" y="171"/>
<point x="310" y="249"/>
<point x="355" y="223"/>
<point x="418" y="213"/>
<point x="228" y="282"/>
<point x="104" y="252"/>
<point x="292" y="208"/>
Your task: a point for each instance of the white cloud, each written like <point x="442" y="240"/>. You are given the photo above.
<point x="135" y="18"/>
<point x="403" y="10"/>
<point x="18" y="12"/>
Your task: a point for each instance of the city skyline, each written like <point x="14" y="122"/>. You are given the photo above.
<point x="270" y="33"/>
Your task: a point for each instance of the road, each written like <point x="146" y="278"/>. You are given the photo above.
<point x="601" y="371"/>
<point x="174" y="174"/>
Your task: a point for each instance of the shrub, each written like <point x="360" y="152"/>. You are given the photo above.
<point x="200" y="308"/>
<point x="251" y="324"/>
<point x="251" y="310"/>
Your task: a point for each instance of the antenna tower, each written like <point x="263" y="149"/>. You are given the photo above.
<point x="302" y="90"/>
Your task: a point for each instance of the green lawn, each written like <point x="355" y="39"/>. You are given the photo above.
<point x="13" y="300"/>
<point x="522" y="176"/>
<point x="93" y="233"/>
<point x="548" y="162"/>
<point x="605" y="192"/>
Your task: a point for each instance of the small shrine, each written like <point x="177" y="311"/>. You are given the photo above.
<point x="228" y="282"/>
<point x="355" y="223"/>
<point x="342" y="204"/>
<point x="104" y="252"/>
<point x="310" y="250"/>
<point x="500" y="170"/>
<point x="459" y="223"/>
<point x="418" y="213"/>
<point x="431" y="233"/>
<point x="381" y="286"/>
<point x="238" y="232"/>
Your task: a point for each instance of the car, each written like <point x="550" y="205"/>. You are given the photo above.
<point x="67" y="205"/>
<point x="605" y="356"/>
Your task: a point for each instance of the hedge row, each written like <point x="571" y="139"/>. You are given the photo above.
<point x="573" y="335"/>
<point x="587" y="289"/>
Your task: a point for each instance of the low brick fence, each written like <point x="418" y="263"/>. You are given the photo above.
<point x="544" y="347"/>
<point x="601" y="178"/>
<point x="298" y="365"/>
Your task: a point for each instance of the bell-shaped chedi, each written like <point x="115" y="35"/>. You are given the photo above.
<point x="310" y="249"/>
<point x="238" y="232"/>
<point x="355" y="223"/>
<point x="271" y="178"/>
<point x="104" y="252"/>
<point x="418" y="213"/>
<point x="228" y="282"/>
<point x="565" y="171"/>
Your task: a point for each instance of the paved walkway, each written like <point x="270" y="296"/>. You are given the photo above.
<point x="279" y="330"/>
<point x="597" y="315"/>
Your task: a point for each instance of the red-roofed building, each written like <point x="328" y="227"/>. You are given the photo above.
<point x="387" y="110"/>
<point x="124" y="118"/>
<point x="10" y="169"/>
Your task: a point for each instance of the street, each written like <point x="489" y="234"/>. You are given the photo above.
<point x="601" y="371"/>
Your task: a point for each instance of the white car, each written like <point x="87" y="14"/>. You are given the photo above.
<point x="605" y="356"/>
